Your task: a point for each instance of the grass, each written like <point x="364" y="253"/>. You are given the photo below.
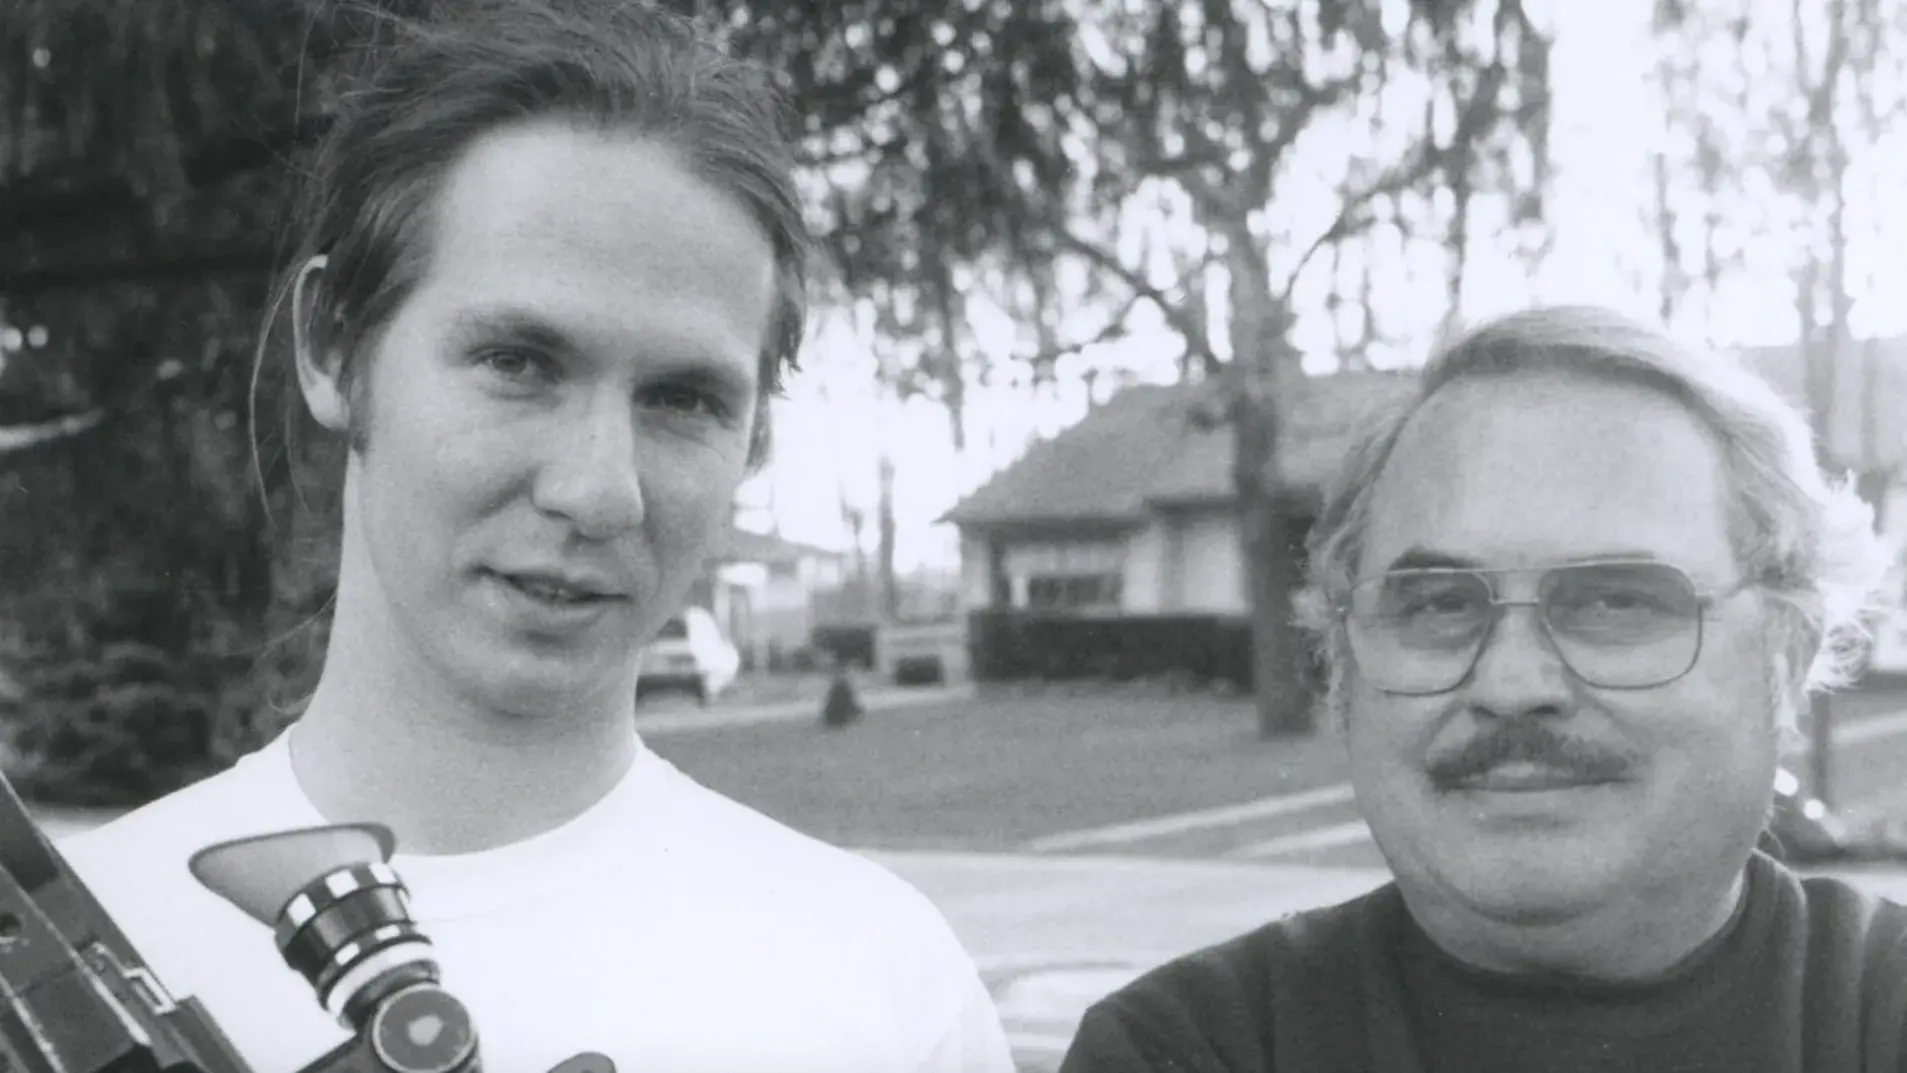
<point x="998" y="771"/>
<point x="994" y="772"/>
<point x="749" y="690"/>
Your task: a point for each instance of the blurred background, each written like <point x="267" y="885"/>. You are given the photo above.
<point x="1105" y="285"/>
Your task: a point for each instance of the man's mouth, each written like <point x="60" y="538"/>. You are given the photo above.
<point x="556" y="590"/>
<point x="1518" y="776"/>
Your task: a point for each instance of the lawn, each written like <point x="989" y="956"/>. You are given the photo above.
<point x="993" y="772"/>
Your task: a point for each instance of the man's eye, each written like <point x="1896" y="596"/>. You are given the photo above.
<point x="514" y="364"/>
<point x="684" y="399"/>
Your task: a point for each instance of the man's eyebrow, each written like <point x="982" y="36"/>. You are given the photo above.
<point x="1421" y="558"/>
<point x="711" y="374"/>
<point x="1617" y="555"/>
<point x="693" y="366"/>
<point x="516" y="324"/>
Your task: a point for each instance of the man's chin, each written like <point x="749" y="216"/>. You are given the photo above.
<point x="536" y="691"/>
<point x="1514" y="886"/>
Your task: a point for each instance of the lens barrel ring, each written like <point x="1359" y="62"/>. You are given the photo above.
<point x="342" y="918"/>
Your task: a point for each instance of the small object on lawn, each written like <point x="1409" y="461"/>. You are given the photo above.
<point x="841" y="707"/>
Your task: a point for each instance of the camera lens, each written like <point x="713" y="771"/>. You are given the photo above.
<point x="349" y="933"/>
<point x="350" y="928"/>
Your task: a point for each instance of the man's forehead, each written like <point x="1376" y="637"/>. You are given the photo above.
<point x="1538" y="470"/>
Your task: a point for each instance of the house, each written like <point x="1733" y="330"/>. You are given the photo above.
<point x="761" y="588"/>
<point x="1866" y="418"/>
<point x="1131" y="511"/>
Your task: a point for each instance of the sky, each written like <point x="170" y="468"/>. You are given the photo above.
<point x="1605" y="123"/>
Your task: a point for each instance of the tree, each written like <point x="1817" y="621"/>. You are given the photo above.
<point x="915" y="121"/>
<point x="146" y="148"/>
<point x="1021" y="154"/>
<point x="1766" y="148"/>
<point x="1430" y="120"/>
<point x="1773" y="128"/>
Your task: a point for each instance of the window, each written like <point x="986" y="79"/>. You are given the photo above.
<point x="675" y="629"/>
<point x="1069" y="576"/>
<point x="1073" y="592"/>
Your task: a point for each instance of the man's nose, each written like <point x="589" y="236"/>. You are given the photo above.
<point x="1519" y="671"/>
<point x="592" y="474"/>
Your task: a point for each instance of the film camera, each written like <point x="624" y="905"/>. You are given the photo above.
<point x="76" y="997"/>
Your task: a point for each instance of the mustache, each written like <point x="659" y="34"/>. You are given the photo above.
<point x="1528" y="741"/>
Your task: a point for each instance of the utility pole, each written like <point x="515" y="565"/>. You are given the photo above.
<point x="1822" y="357"/>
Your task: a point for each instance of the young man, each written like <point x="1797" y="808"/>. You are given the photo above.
<point x="552" y="275"/>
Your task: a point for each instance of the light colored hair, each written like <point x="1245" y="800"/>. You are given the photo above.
<point x="1807" y="542"/>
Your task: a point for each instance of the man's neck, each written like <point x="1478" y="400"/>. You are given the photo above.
<point x="385" y="739"/>
<point x="1632" y="942"/>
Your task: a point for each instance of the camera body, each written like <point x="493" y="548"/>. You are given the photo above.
<point x="77" y="997"/>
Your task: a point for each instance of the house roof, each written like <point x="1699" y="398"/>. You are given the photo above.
<point x="1144" y="448"/>
<point x="1870" y="395"/>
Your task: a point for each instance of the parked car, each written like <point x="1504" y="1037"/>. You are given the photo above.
<point x="689" y="655"/>
<point x="1888" y="656"/>
<point x="1806" y="833"/>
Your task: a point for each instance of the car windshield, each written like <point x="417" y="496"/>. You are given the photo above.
<point x="674" y="629"/>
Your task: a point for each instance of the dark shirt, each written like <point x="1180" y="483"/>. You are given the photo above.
<point x="1810" y="977"/>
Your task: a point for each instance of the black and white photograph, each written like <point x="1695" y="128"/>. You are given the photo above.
<point x="953" y="536"/>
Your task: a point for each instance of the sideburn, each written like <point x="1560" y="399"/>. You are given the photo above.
<point x="360" y="417"/>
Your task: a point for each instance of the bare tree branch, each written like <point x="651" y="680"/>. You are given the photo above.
<point x="1114" y="329"/>
<point x="1354" y="216"/>
<point x="1187" y="168"/>
<point x="1425" y="162"/>
<point x="1183" y="321"/>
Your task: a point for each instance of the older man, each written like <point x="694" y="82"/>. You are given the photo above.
<point x="1574" y="594"/>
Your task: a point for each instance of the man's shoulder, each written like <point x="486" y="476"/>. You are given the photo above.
<point x="872" y="923"/>
<point x="800" y="862"/>
<point x="1240" y="977"/>
<point x="1841" y="913"/>
<point x="148" y="844"/>
<point x="717" y="840"/>
<point x="1214" y="1008"/>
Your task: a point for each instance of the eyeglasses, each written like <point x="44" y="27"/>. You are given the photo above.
<point x="1615" y="625"/>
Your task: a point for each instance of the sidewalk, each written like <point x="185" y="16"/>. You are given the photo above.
<point x="1019" y="910"/>
<point x="1051" y="935"/>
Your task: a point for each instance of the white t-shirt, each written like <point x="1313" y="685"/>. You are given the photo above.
<point x="669" y="928"/>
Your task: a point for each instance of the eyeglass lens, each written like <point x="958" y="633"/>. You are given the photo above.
<point x="1616" y="625"/>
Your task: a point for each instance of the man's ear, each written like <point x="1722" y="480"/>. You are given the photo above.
<point x="317" y="374"/>
<point x="1790" y="697"/>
